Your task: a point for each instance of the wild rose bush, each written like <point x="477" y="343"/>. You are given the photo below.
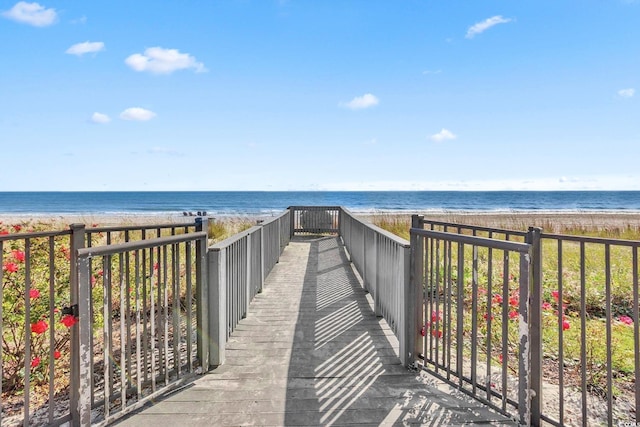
<point x="497" y="312"/>
<point x="34" y="312"/>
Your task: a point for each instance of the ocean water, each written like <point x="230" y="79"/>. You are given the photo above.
<point x="264" y="203"/>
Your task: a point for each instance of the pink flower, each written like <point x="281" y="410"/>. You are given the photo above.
<point x="56" y="354"/>
<point x="513" y="314"/>
<point x="10" y="267"/>
<point x="565" y="325"/>
<point x="34" y="293"/>
<point x="17" y="227"/>
<point x="555" y="295"/>
<point x="497" y="299"/>
<point x="35" y="362"/>
<point x="436" y="333"/>
<point x="68" y="320"/>
<point x="435" y="316"/>
<point x="486" y="316"/>
<point x="626" y="320"/>
<point x="18" y="255"/>
<point x="546" y="306"/>
<point x="514" y="301"/>
<point x="423" y="331"/>
<point x="3" y="232"/>
<point x="39" y="327"/>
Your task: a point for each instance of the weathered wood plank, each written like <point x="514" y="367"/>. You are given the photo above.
<point x="311" y="352"/>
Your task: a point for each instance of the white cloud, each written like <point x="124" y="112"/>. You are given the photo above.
<point x="137" y="114"/>
<point x="627" y="93"/>
<point x="163" y="61"/>
<point x="443" y="135"/>
<point x="485" y="25"/>
<point x="32" y="14"/>
<point x="431" y="72"/>
<point x="100" y="118"/>
<point x="360" y="102"/>
<point x="86" y="47"/>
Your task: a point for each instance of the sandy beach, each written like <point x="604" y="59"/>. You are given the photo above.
<point x="548" y="221"/>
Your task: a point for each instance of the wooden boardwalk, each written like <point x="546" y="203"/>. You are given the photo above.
<point x="311" y="352"/>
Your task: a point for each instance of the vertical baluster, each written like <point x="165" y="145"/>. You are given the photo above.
<point x="125" y="366"/>
<point x="139" y="328"/>
<point x="27" y="335"/>
<point x="474" y="317"/>
<point x="607" y="263"/>
<point x="106" y="332"/>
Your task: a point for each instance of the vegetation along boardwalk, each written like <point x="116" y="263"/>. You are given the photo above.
<point x="312" y="352"/>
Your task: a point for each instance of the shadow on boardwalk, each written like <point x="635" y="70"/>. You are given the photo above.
<point x="312" y="352"/>
<point x="344" y="366"/>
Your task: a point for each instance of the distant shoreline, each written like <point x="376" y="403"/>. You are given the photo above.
<point x="548" y="220"/>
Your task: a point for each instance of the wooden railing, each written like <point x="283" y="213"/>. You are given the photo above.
<point x="382" y="259"/>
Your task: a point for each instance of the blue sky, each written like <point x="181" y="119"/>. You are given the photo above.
<point x="327" y="95"/>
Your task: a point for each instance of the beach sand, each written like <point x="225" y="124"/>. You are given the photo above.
<point x="548" y="221"/>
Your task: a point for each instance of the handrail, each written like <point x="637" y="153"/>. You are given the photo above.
<point x="140" y="244"/>
<point x="315" y="219"/>
<point x="454" y="280"/>
<point x="237" y="268"/>
<point x="445" y="224"/>
<point x="505" y="245"/>
<point x="140" y="293"/>
<point x="382" y="259"/>
<point x="107" y="228"/>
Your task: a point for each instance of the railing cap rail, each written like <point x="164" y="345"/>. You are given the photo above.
<point x="107" y="228"/>
<point x="474" y="227"/>
<point x="589" y="239"/>
<point x="276" y="218"/>
<point x="231" y="240"/>
<point x="33" y="235"/>
<point x="397" y="239"/>
<point x="140" y="244"/>
<point x="315" y="207"/>
<point x="506" y="245"/>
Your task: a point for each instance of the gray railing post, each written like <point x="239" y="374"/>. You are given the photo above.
<point x="407" y="321"/>
<point x="378" y="274"/>
<point x="217" y="306"/>
<point x="413" y="300"/>
<point x="247" y="295"/>
<point x="364" y="275"/>
<point x="81" y="351"/>
<point x="262" y="246"/>
<point x="535" y="322"/>
<point x="203" y="286"/>
<point x="292" y="220"/>
<point x="373" y="281"/>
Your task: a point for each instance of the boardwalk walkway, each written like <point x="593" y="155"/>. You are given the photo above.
<point x="311" y="352"/>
